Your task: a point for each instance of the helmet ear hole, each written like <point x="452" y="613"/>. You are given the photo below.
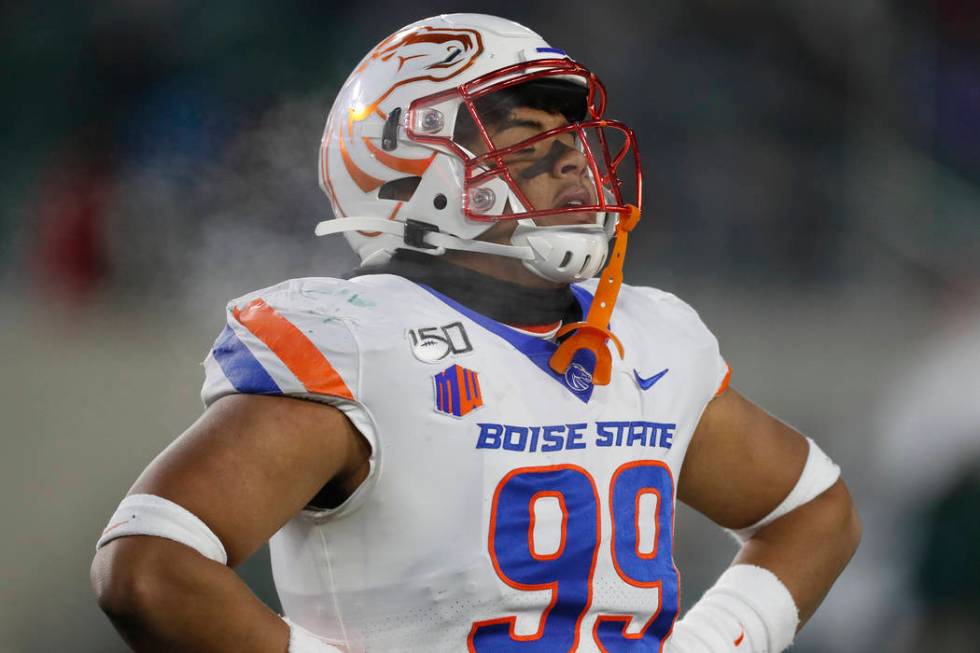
<point x="401" y="190"/>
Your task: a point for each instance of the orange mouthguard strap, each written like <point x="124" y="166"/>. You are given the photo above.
<point x="593" y="333"/>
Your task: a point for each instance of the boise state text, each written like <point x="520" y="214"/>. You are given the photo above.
<point x="556" y="437"/>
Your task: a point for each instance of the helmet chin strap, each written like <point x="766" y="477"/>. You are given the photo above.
<point x="563" y="254"/>
<point x="433" y="242"/>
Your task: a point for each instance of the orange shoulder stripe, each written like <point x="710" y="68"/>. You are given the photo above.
<point x="293" y="348"/>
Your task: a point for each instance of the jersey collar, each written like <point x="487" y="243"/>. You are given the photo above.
<point x="503" y="301"/>
<point x="577" y="379"/>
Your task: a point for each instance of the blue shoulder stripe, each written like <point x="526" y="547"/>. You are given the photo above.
<point x="241" y="367"/>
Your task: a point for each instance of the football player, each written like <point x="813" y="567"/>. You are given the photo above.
<point x="472" y="443"/>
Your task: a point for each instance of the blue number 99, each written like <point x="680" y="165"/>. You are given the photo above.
<point x="653" y="569"/>
<point x="567" y="573"/>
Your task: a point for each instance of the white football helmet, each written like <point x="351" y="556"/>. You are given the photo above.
<point x="392" y="128"/>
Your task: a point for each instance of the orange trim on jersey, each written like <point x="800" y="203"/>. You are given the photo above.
<point x="612" y="545"/>
<point x="626" y="620"/>
<point x="553" y="585"/>
<point x="564" y="525"/>
<point x="656" y="523"/>
<point x="293" y="348"/>
<point x="538" y="328"/>
<point x="724" y="382"/>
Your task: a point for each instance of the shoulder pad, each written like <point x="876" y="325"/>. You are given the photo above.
<point x="288" y="339"/>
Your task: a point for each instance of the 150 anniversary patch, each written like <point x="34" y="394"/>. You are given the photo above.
<point x="433" y="344"/>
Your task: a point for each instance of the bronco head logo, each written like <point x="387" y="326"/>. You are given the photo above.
<point x="414" y="55"/>
<point x="433" y="54"/>
<point x="578" y="377"/>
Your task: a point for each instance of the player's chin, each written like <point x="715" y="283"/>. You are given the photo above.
<point x="567" y="219"/>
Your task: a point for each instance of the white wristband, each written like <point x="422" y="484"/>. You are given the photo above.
<point x="818" y="474"/>
<point x="748" y="610"/>
<point x="303" y="641"/>
<point x="148" y="514"/>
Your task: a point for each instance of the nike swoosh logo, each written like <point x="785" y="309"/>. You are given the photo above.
<point x="738" y="642"/>
<point x="116" y="525"/>
<point x="646" y="384"/>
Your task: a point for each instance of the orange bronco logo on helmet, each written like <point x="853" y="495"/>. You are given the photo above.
<point x="407" y="57"/>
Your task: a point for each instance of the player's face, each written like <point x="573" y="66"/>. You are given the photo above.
<point x="552" y="173"/>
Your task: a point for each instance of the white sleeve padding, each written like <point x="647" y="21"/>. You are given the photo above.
<point x="148" y="514"/>
<point x="819" y="473"/>
<point x="748" y="610"/>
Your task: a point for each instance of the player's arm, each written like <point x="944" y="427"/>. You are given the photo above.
<point x="244" y="468"/>
<point x="741" y="465"/>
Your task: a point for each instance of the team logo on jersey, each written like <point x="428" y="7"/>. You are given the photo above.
<point x="433" y="344"/>
<point x="457" y="391"/>
<point x="578" y="378"/>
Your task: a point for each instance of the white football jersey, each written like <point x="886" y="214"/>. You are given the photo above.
<point x="508" y="508"/>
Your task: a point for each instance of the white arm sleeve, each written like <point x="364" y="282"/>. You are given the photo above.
<point x="818" y="474"/>
<point x="748" y="610"/>
<point x="148" y="514"/>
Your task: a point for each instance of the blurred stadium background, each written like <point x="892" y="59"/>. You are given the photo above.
<point x="813" y="188"/>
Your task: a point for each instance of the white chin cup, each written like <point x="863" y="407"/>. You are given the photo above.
<point x="565" y="253"/>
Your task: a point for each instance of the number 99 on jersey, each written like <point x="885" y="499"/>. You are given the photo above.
<point x="568" y="571"/>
